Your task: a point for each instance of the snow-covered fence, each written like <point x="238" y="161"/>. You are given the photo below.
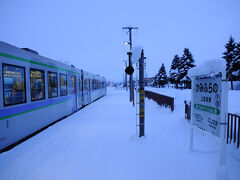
<point x="161" y="99"/>
<point x="233" y="125"/>
<point x="233" y="129"/>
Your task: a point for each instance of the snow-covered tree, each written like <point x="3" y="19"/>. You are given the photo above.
<point x="236" y="63"/>
<point x="155" y="81"/>
<point x="229" y="56"/>
<point x="186" y="63"/>
<point x="162" y="76"/>
<point x="173" y="73"/>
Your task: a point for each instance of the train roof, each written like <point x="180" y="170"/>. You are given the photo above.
<point x="26" y="53"/>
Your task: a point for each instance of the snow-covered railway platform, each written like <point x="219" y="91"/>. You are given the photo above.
<point x="99" y="142"/>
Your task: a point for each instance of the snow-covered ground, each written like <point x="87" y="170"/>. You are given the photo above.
<point x="99" y="142"/>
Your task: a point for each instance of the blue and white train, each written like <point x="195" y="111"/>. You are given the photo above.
<point x="36" y="91"/>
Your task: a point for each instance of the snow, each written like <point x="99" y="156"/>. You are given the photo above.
<point x="236" y="73"/>
<point x="181" y="95"/>
<point x="236" y="85"/>
<point x="100" y="142"/>
<point x="207" y="68"/>
<point x="136" y="53"/>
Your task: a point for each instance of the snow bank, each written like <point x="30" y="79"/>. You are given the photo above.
<point x="209" y="67"/>
<point x="236" y="85"/>
<point x="181" y="95"/>
<point x="99" y="143"/>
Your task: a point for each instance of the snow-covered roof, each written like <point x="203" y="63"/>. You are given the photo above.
<point x="208" y="68"/>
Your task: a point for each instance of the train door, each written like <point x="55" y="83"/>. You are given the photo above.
<point x="74" y="93"/>
<point x="79" y="91"/>
<point x="89" y="90"/>
<point x="82" y="86"/>
<point x="86" y="91"/>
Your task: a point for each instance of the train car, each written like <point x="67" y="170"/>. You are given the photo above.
<point x="94" y="87"/>
<point x="98" y="88"/>
<point x="36" y="91"/>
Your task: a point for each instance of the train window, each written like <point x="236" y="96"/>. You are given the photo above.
<point x="79" y="83"/>
<point x="52" y="85"/>
<point x="13" y="85"/>
<point x="85" y="84"/>
<point x="93" y="84"/>
<point x="73" y="84"/>
<point x="37" y="84"/>
<point x="97" y="84"/>
<point x="63" y="84"/>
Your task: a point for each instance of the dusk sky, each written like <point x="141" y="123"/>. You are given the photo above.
<point x="89" y="35"/>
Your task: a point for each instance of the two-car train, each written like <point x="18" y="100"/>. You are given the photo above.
<point x="36" y="91"/>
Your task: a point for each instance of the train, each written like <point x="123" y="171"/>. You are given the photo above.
<point x="36" y="91"/>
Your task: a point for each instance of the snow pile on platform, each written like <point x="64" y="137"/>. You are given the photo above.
<point x="208" y="68"/>
<point x="99" y="143"/>
<point x="136" y="53"/>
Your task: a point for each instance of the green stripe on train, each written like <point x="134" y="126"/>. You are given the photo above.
<point x="34" y="62"/>
<point x="17" y="114"/>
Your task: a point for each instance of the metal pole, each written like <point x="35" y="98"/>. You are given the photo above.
<point x="126" y="77"/>
<point x="222" y="171"/>
<point x="130" y="37"/>
<point x="191" y="120"/>
<point x="141" y="96"/>
<point x="130" y="78"/>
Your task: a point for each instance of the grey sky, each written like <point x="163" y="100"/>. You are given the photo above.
<point x="89" y="33"/>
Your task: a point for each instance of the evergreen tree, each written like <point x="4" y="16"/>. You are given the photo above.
<point x="162" y="76"/>
<point x="186" y="63"/>
<point x="236" y="63"/>
<point x="173" y="73"/>
<point x="155" y="83"/>
<point x="229" y="56"/>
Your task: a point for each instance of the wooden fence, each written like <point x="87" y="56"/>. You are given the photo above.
<point x="161" y="99"/>
<point x="233" y="125"/>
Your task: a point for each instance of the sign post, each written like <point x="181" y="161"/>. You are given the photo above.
<point x="209" y="111"/>
<point x="207" y="103"/>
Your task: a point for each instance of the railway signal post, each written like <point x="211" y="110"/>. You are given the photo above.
<point x="129" y="29"/>
<point x="141" y="95"/>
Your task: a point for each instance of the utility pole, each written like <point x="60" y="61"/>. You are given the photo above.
<point x="130" y="78"/>
<point x="129" y="30"/>
<point x="125" y="83"/>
